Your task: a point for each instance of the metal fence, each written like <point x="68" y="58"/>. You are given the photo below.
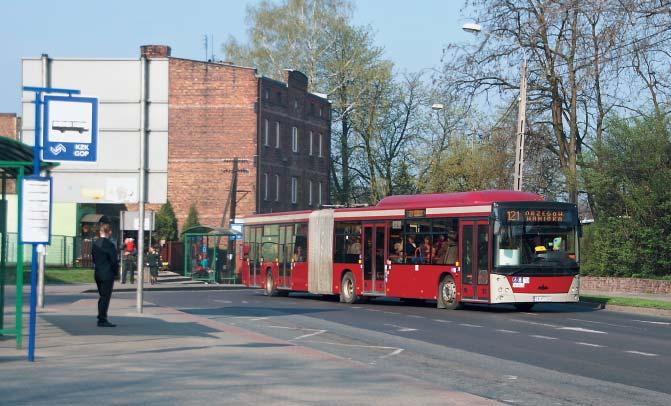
<point x="64" y="251"/>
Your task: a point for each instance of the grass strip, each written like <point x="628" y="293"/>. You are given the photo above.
<point x="627" y="301"/>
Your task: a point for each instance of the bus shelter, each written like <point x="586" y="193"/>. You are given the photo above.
<point x="16" y="161"/>
<point x="208" y="254"/>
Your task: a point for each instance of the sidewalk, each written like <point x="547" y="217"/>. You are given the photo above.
<point x="168" y="357"/>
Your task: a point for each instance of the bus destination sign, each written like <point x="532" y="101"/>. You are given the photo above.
<point x="535" y="216"/>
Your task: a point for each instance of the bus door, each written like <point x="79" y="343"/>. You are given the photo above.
<point x="474" y="254"/>
<point x="285" y="256"/>
<point x="374" y="257"/>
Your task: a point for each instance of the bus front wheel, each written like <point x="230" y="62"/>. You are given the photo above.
<point x="447" y="294"/>
<point x="270" y="284"/>
<point x="348" y="289"/>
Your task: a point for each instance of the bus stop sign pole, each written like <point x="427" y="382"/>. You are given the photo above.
<point x="36" y="171"/>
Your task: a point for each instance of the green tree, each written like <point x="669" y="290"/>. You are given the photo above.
<point x="191" y="218"/>
<point x="630" y="184"/>
<point x="166" y="223"/>
<point x="339" y="59"/>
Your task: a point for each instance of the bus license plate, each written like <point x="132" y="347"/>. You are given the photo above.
<point x="541" y="299"/>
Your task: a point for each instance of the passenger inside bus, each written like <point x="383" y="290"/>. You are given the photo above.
<point x="298" y="254"/>
<point x="447" y="253"/>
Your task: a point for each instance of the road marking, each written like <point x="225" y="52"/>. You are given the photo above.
<point x="244" y="301"/>
<point x="390" y="312"/>
<point x="647" y="354"/>
<point x="510" y="377"/>
<point x="590" y="344"/>
<point x="258" y="318"/>
<point x="544" y="337"/>
<point x="442" y="321"/>
<point x="535" y="323"/>
<point x="600" y="322"/>
<point x="416" y="317"/>
<point x="391" y="354"/>
<point x="401" y="328"/>
<point x="356" y="307"/>
<point x="507" y="331"/>
<point x="374" y="310"/>
<point x="222" y="301"/>
<point x="309" y="335"/>
<point x="663" y="323"/>
<point x="469" y="325"/>
<point x="395" y="351"/>
<point x="582" y="330"/>
<point x="533" y="314"/>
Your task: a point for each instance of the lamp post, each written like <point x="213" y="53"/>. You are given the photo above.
<point x="475" y="28"/>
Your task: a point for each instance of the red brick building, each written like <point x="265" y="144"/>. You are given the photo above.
<point x="279" y="132"/>
<point x="9" y="125"/>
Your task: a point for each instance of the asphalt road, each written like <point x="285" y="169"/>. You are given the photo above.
<point x="557" y="354"/>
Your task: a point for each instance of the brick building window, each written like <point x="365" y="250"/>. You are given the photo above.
<point x="277" y="188"/>
<point x="309" y="193"/>
<point x="279" y="97"/>
<point x="265" y="132"/>
<point x="265" y="186"/>
<point x="295" y="104"/>
<point x="319" y="195"/>
<point x="321" y="111"/>
<point x="294" y="139"/>
<point x="311" y="142"/>
<point x="266" y="94"/>
<point x="321" y="155"/>
<point x="277" y="134"/>
<point x="294" y="189"/>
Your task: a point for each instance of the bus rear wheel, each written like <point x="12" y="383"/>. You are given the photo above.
<point x="524" y="307"/>
<point x="348" y="289"/>
<point x="270" y="284"/>
<point x="447" y="294"/>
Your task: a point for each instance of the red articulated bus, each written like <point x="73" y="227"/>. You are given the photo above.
<point x="485" y="247"/>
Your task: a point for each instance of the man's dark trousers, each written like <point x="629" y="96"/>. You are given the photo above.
<point x="105" y="292"/>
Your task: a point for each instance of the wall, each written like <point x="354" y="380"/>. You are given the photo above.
<point x="8" y="125"/>
<point x="625" y="285"/>
<point x="212" y="120"/>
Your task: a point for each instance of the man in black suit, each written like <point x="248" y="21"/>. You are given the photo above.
<point x="106" y="266"/>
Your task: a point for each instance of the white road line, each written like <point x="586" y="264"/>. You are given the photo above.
<point x="533" y="314"/>
<point x="590" y="344"/>
<point x="416" y="317"/>
<point x="356" y="307"/>
<point x="442" y="321"/>
<point x="400" y="328"/>
<point x="582" y="330"/>
<point x="395" y="351"/>
<point x="663" y="323"/>
<point x="646" y="354"/>
<point x="507" y="331"/>
<point x="544" y="337"/>
<point x="308" y="335"/>
<point x="374" y="310"/>
<point x="391" y="354"/>
<point x="535" y="323"/>
<point x="258" y="318"/>
<point x="222" y="301"/>
<point x="390" y="312"/>
<point x="244" y="301"/>
<point x="600" y="322"/>
<point x="469" y="325"/>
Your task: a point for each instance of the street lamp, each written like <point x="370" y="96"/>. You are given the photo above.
<point x="475" y="28"/>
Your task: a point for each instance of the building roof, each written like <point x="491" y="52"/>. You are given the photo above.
<point x="15" y="154"/>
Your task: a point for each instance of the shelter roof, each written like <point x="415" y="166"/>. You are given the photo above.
<point x="15" y="154"/>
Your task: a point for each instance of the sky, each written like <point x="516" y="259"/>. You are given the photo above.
<point x="412" y="32"/>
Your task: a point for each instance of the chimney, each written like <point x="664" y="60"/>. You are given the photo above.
<point x="296" y="79"/>
<point x="155" y="51"/>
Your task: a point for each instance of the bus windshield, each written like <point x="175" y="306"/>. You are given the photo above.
<point x="526" y="239"/>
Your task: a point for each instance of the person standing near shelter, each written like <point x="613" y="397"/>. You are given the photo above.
<point x="106" y="268"/>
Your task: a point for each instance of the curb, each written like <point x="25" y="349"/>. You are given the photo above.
<point x="626" y="309"/>
<point x="175" y="288"/>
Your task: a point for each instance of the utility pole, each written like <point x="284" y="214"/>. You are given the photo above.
<point x="231" y="207"/>
<point x="521" y="127"/>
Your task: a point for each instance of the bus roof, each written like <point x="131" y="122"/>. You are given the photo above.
<point x="456" y="199"/>
<point x="396" y="205"/>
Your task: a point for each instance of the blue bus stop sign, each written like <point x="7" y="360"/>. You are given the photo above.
<point x="70" y="129"/>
